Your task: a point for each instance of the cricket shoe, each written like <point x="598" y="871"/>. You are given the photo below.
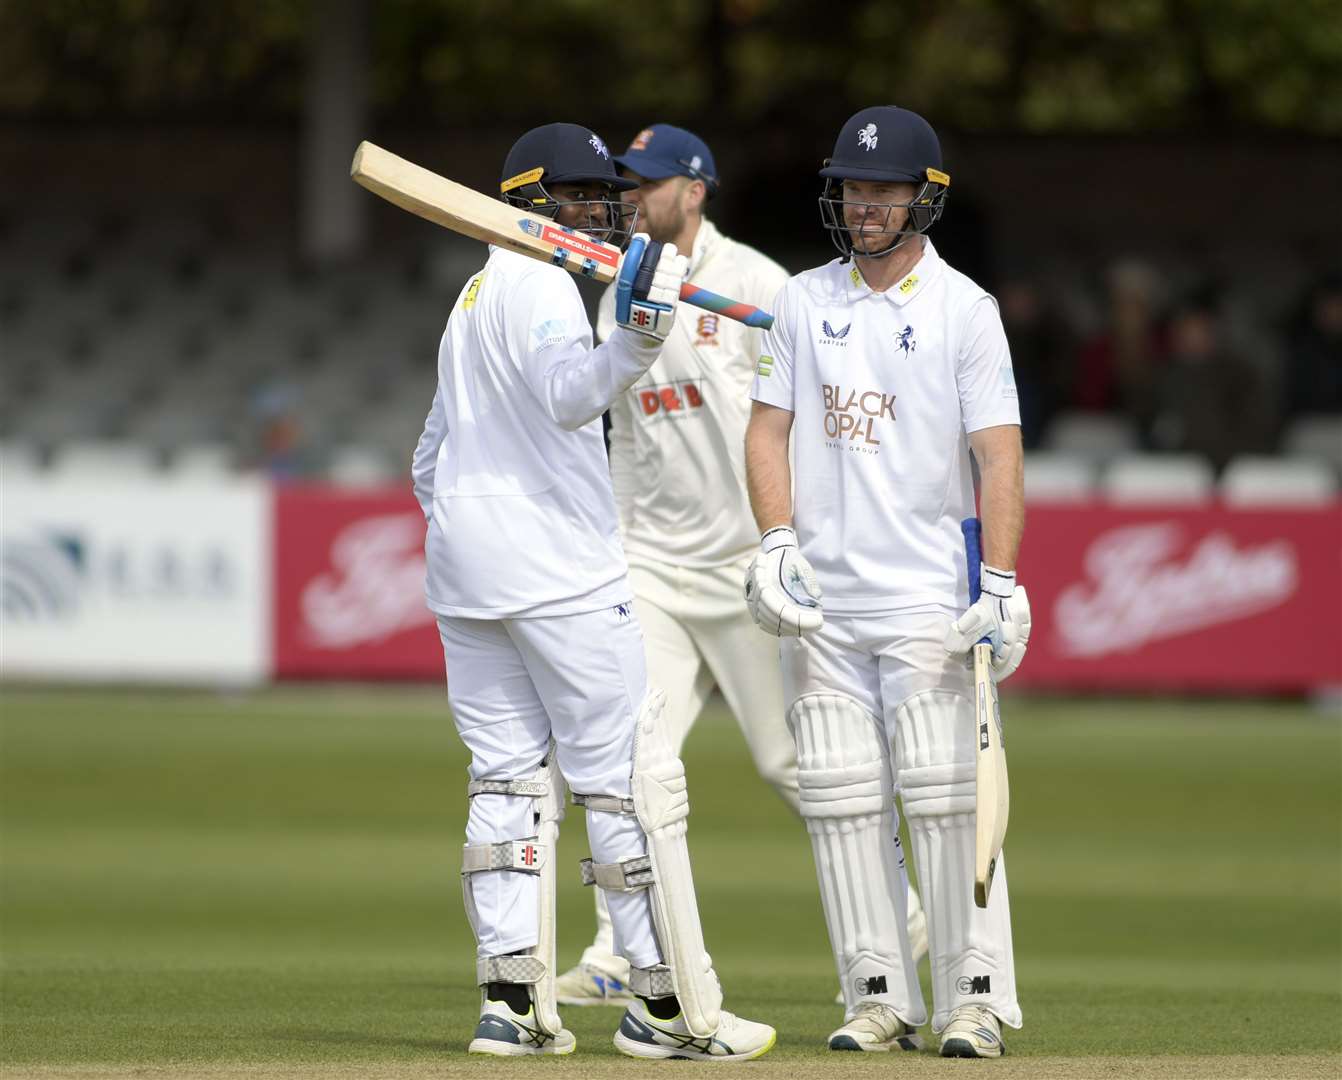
<point x="508" y="1034"/>
<point x="586" y="984"/>
<point x="875" y="1028"/>
<point x="973" y="1032"/>
<point x="642" y="1035"/>
<point x="917" y="942"/>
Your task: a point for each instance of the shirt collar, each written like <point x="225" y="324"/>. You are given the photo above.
<point x="914" y="282"/>
<point x="704" y="239"/>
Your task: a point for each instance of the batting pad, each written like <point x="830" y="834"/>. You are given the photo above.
<point x="662" y="804"/>
<point x="971" y="953"/>
<point x="532" y="855"/>
<point x="847" y="801"/>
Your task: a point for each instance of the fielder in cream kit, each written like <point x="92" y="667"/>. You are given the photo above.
<point x="547" y="677"/>
<point x="886" y="369"/>
<point x="677" y="442"/>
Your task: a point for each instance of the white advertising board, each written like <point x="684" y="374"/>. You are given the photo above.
<point x="139" y="582"/>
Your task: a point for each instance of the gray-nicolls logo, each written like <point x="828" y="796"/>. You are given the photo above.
<point x="874" y="985"/>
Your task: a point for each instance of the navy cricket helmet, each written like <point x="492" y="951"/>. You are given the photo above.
<point x="567" y="154"/>
<point x="885" y="142"/>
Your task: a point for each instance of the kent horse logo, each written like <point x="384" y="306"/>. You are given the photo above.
<point x="904" y="339"/>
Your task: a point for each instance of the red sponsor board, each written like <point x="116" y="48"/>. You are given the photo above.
<point x="1123" y="599"/>
<point x="349" y="587"/>
<point x="1204" y="600"/>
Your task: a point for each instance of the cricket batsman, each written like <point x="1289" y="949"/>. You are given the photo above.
<point x="548" y="683"/>
<point x="886" y="369"/>
<point x="677" y="460"/>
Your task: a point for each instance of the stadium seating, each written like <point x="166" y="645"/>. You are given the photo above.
<point x="102" y="461"/>
<point x="1057" y="477"/>
<point x="1252" y="480"/>
<point x="362" y="466"/>
<point x="1159" y="478"/>
<point x="151" y="331"/>
<point x="1099" y="437"/>
<point x="1317" y="436"/>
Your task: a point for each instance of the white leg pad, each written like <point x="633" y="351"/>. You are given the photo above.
<point x="847" y="801"/>
<point x="533" y="855"/>
<point x="971" y="954"/>
<point x="662" y="804"/>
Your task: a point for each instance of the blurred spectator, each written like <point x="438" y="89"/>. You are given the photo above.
<point x="279" y="448"/>
<point x="1314" y="350"/>
<point x="1039" y="355"/>
<point x="1120" y="369"/>
<point x="1211" y="399"/>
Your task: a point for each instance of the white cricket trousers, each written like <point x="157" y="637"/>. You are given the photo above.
<point x="699" y="633"/>
<point x="513" y="685"/>
<point x="922" y="700"/>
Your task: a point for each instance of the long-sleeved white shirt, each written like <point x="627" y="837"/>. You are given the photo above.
<point x="511" y="469"/>
<point x="677" y="438"/>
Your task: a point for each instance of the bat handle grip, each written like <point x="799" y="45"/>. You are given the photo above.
<point x="972" y="531"/>
<point x="733" y="309"/>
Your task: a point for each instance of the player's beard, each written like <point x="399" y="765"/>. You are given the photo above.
<point x="667" y="226"/>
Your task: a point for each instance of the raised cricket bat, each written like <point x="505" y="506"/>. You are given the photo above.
<point x="992" y="797"/>
<point x="470" y="213"/>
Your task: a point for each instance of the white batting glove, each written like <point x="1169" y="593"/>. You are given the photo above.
<point x="781" y="590"/>
<point x="648" y="288"/>
<point x="1001" y="614"/>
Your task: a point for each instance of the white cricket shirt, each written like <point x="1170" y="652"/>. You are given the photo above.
<point x="884" y="388"/>
<point x="511" y="468"/>
<point x="677" y="437"/>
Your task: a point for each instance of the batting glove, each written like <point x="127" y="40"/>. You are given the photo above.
<point x="1002" y="615"/>
<point x="781" y="589"/>
<point x="648" y="287"/>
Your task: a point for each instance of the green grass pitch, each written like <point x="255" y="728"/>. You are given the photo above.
<point x="200" y="883"/>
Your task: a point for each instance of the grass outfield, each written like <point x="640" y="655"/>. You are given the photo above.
<point x="205" y="885"/>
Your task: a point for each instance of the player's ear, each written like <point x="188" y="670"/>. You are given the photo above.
<point x="696" y="194"/>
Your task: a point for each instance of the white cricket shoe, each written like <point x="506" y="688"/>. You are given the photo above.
<point x="587" y="984"/>
<point x="642" y="1035"/>
<point x="875" y="1027"/>
<point x="508" y="1034"/>
<point x="973" y="1032"/>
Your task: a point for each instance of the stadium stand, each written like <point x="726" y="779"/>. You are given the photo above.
<point x="1058" y="477"/>
<point x="1316" y="435"/>
<point x="1098" y="437"/>
<point x="180" y="334"/>
<point x="1159" y="478"/>
<point x="1255" y="480"/>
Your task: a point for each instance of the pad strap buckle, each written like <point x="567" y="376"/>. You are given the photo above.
<point x="524" y="856"/>
<point x="535" y="789"/>
<point x="653" y="982"/>
<point x="608" y="804"/>
<point x="627" y="875"/>
<point x="509" y="969"/>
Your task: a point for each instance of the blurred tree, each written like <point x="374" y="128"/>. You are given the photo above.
<point x="1037" y="66"/>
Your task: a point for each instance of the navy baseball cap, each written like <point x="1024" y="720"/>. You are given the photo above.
<point x="665" y="150"/>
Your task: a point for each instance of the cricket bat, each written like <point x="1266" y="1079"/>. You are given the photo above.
<point x="470" y="213"/>
<point x="992" y="797"/>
